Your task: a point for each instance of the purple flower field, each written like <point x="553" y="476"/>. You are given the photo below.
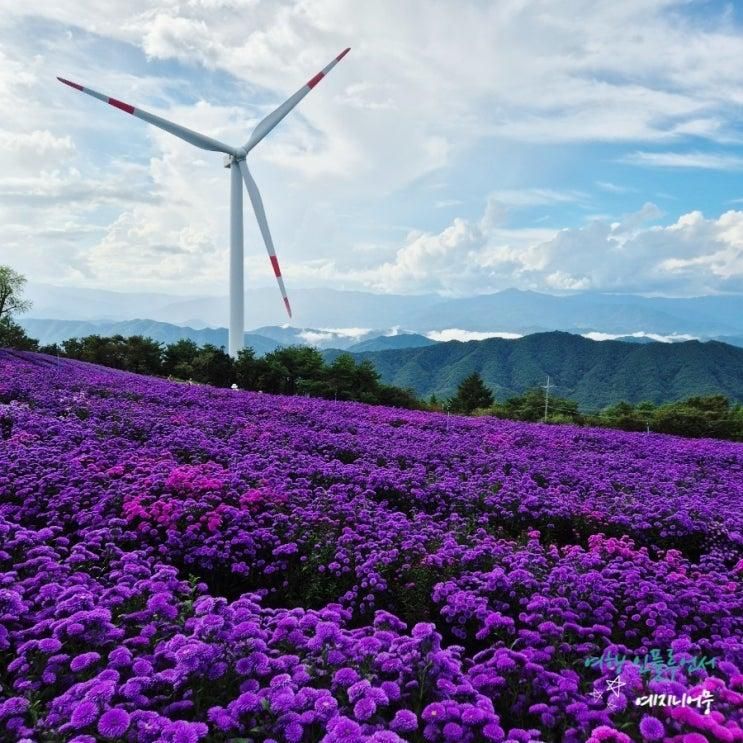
<point x="183" y="564"/>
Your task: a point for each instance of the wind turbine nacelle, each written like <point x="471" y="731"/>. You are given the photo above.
<point x="228" y="161"/>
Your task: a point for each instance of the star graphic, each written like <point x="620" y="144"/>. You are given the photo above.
<point x="597" y="695"/>
<point x="615" y="685"/>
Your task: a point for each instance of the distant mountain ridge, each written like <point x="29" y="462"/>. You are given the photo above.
<point x="56" y="331"/>
<point x="388" y="342"/>
<point x="262" y="341"/>
<point x="506" y="311"/>
<point x="594" y="373"/>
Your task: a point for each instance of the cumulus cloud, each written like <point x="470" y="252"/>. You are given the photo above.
<point x="693" y="255"/>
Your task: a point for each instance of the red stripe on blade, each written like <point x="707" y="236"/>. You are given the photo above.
<point x="315" y="80"/>
<point x="343" y="54"/>
<point x="275" y="264"/>
<point x="120" y="104"/>
<point x="71" y="84"/>
<point x="288" y="308"/>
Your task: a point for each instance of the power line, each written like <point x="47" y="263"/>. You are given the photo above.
<point x="547" y="388"/>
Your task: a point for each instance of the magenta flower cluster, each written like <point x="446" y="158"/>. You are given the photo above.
<point x="187" y="564"/>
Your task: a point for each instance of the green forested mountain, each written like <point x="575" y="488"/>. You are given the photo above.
<point x="386" y="342"/>
<point x="594" y="373"/>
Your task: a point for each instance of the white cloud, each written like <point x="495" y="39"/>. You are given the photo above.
<point x="703" y="160"/>
<point x="614" y="187"/>
<point x="693" y="255"/>
<point x="672" y="338"/>
<point x="457" y="334"/>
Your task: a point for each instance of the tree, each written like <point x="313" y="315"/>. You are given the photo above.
<point x="143" y="355"/>
<point x="12" y="335"/>
<point x="341" y="377"/>
<point x="302" y="364"/>
<point x="397" y="397"/>
<point x="247" y="369"/>
<point x="471" y="393"/>
<point x="213" y="365"/>
<point x="178" y="358"/>
<point x="11" y="293"/>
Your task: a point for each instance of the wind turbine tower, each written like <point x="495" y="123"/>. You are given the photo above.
<point x="236" y="161"/>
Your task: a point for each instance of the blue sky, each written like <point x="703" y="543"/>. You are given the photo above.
<point x="460" y="148"/>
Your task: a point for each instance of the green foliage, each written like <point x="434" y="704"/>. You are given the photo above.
<point x="296" y="370"/>
<point x="178" y="358"/>
<point x="213" y="365"/>
<point x="395" y="397"/>
<point x="247" y="369"/>
<point x="11" y="293"/>
<point x="289" y="370"/>
<point x="530" y="407"/>
<point x="471" y="394"/>
<point x="135" y="354"/>
<point x="711" y="416"/>
<point x="594" y="374"/>
<point x="12" y="335"/>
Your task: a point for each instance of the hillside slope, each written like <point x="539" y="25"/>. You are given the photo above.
<point x="595" y="373"/>
<point x="187" y="564"/>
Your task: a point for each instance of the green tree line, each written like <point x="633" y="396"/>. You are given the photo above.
<point x="712" y="416"/>
<point x="293" y="370"/>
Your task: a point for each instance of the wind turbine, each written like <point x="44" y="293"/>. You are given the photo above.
<point x="236" y="160"/>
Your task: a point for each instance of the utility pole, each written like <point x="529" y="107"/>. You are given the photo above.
<point x="547" y="388"/>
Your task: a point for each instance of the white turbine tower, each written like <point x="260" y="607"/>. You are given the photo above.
<point x="236" y="161"/>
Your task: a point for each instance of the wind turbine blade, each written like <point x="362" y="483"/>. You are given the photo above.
<point x="190" y="136"/>
<point x="267" y="124"/>
<point x="260" y="215"/>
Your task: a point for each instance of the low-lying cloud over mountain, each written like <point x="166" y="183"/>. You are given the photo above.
<point x="318" y="311"/>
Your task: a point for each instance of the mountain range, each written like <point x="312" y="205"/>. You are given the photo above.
<point x="510" y="311"/>
<point x="594" y="373"/>
<point x="262" y="340"/>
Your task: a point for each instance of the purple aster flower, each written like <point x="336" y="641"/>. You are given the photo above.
<point x="247" y="702"/>
<point x="651" y="728"/>
<point x="50" y="645"/>
<point x="13" y="706"/>
<point x="364" y="708"/>
<point x="181" y="731"/>
<point x="84" y="714"/>
<point x="434" y="712"/>
<point x="326" y="705"/>
<point x="453" y="731"/>
<point x="404" y="721"/>
<point x="113" y="723"/>
<point x="83" y="661"/>
<point x="358" y="690"/>
<point x="293" y="732"/>
<point x="493" y="731"/>
<point x="345" y="677"/>
<point x="342" y="727"/>
<point x="423" y="629"/>
<point x="120" y="657"/>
